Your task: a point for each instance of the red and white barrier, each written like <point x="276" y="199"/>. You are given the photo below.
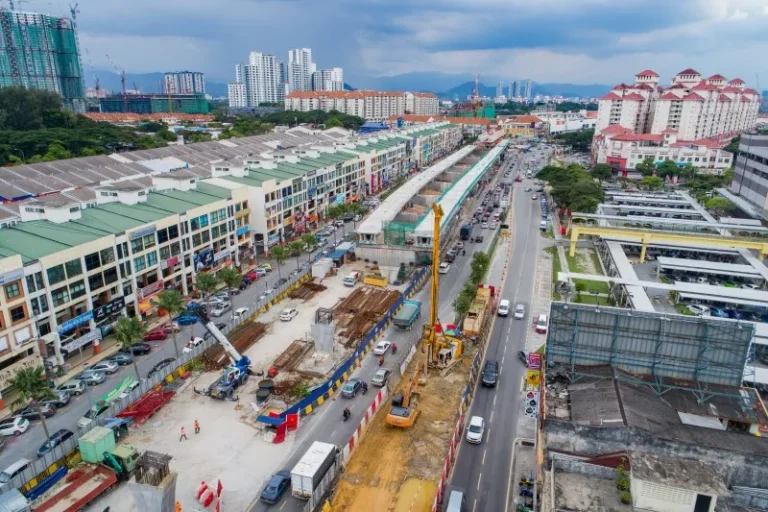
<point x="350" y="446"/>
<point x="449" y="460"/>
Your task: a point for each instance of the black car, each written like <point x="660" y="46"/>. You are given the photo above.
<point x="122" y="358"/>
<point x="490" y="373"/>
<point x="281" y="281"/>
<point x="348" y="217"/>
<point x="479" y="239"/>
<point x="160" y="366"/>
<point x="140" y="349"/>
<point x="523" y="357"/>
<point x="55" y="440"/>
<point x="32" y="413"/>
<point x="276" y="487"/>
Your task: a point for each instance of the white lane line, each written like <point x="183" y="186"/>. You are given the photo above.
<point x="494" y="400"/>
<point x="283" y="505"/>
<point x="502" y="358"/>
<point x="483" y="463"/>
<point x="488" y="434"/>
<point x="478" y="481"/>
<point x="491" y="420"/>
<point x="474" y="506"/>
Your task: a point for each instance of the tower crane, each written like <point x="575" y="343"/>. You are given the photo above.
<point x="95" y="78"/>
<point x="122" y="81"/>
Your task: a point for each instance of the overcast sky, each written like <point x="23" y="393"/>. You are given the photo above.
<point x="577" y="41"/>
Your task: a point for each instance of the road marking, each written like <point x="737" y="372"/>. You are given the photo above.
<point x="505" y="348"/>
<point x="502" y="358"/>
<point x="334" y="431"/>
<point x="491" y="420"/>
<point x="482" y="463"/>
<point x="478" y="481"/>
<point x="494" y="400"/>
<point x="488" y="435"/>
<point x="283" y="505"/>
<point x="474" y="506"/>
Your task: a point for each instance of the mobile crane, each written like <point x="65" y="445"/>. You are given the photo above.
<point x="235" y="374"/>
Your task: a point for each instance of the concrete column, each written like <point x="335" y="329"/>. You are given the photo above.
<point x="150" y="498"/>
<point x="574" y="239"/>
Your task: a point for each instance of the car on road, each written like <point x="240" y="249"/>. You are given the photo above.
<point x="478" y="239"/>
<point x="382" y="348"/>
<point x="60" y="399"/>
<point x="265" y="266"/>
<point x="475" y="430"/>
<point x="73" y="387"/>
<point x="484" y="225"/>
<point x="288" y="314"/>
<point x="503" y="309"/>
<point x="165" y="363"/>
<point x="93" y="413"/>
<point x="186" y="319"/>
<point x="490" y="373"/>
<point x="541" y="324"/>
<point x="519" y="312"/>
<point x="523" y="357"/>
<point x="127" y="391"/>
<point x="534" y="197"/>
<point x="351" y="387"/>
<point x="55" y="440"/>
<point x="14" y="426"/>
<point x="230" y="291"/>
<point x="381" y="377"/>
<point x="338" y="223"/>
<point x="92" y="378"/>
<point x="156" y="334"/>
<point x="193" y="342"/>
<point x="106" y="366"/>
<point x="220" y="309"/>
<point x="139" y="349"/>
<point x="459" y="245"/>
<point x="261" y="272"/>
<point x="252" y="275"/>
<point x="699" y="310"/>
<point x="267" y="293"/>
<point x="121" y="358"/>
<point x="238" y="315"/>
<point x="357" y="218"/>
<point x="281" y="281"/>
<point x="347" y="217"/>
<point x="275" y="488"/>
<point x="444" y="268"/>
<point x="171" y="327"/>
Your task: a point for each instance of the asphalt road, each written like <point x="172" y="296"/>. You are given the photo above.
<point x="483" y="471"/>
<point x="326" y="425"/>
<point x="27" y="444"/>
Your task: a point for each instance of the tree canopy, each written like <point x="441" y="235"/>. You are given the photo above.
<point x="579" y="141"/>
<point x="573" y="188"/>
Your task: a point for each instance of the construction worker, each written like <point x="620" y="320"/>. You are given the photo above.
<point x="183" y="434"/>
<point x="197" y="427"/>
<point x="178" y="506"/>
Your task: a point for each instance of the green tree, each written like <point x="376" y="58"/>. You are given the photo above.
<point x="32" y="388"/>
<point x="230" y="277"/>
<point x="173" y="303"/>
<point x="719" y="206"/>
<point x="651" y="183"/>
<point x="23" y="109"/>
<point x="601" y="172"/>
<point x="584" y="196"/>
<point x="461" y="305"/>
<point x="646" y="167"/>
<point x="334" y="122"/>
<point x="296" y="248"/>
<point x="56" y="151"/>
<point x="206" y="283"/>
<point x="479" y="267"/>
<point x="733" y="146"/>
<point x="688" y="172"/>
<point x="310" y="242"/>
<point x="129" y="331"/>
<point x="668" y="168"/>
<point x="281" y="255"/>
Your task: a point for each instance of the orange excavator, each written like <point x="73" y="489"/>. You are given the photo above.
<point x="404" y="412"/>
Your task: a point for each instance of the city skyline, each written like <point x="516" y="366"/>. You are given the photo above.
<point x="594" y="45"/>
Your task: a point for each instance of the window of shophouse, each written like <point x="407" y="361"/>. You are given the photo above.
<point x="168" y="233"/>
<point x="44" y="327"/>
<point x="92" y="261"/>
<point x="165" y="253"/>
<point x="39" y="305"/>
<point x="214" y="217"/>
<point x="125" y="269"/>
<point x="60" y="296"/>
<point x="122" y="250"/>
<point x="215" y="232"/>
<point x="18" y="314"/>
<point x="13" y="290"/>
<point x="139" y="263"/>
<point x="149" y="241"/>
<point x="196" y="240"/>
<point x="206" y="236"/>
<point x="110" y="275"/>
<point x="56" y="274"/>
<point x="96" y="281"/>
<point x="35" y="282"/>
<point x="77" y="290"/>
<point x="199" y="222"/>
<point x="151" y="259"/>
<point x="107" y="256"/>
<point x="74" y="268"/>
<point x="127" y="289"/>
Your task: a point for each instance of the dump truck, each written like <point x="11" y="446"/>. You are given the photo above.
<point x="408" y="314"/>
<point x="466" y="231"/>
<point x="473" y="322"/>
<point x="314" y="465"/>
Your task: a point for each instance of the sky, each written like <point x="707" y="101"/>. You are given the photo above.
<point x="574" y="41"/>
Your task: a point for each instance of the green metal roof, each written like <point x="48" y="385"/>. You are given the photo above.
<point x="36" y="239"/>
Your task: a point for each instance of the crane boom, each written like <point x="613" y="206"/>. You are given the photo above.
<point x="430" y="329"/>
<point x="231" y="351"/>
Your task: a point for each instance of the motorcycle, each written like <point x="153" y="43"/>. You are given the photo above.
<point x="346" y="414"/>
<point x="394" y="349"/>
<point x="381" y="360"/>
<point x="365" y="388"/>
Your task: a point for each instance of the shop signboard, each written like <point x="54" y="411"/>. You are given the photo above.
<point x="339" y="199"/>
<point x="169" y="262"/>
<point x="76" y="322"/>
<point x="143" y="232"/>
<point x="241" y="231"/>
<point x="149" y="290"/>
<point x="112" y="307"/>
<point x="221" y="255"/>
<point x="12" y="276"/>
<point x="7" y="374"/>
<point x="273" y="239"/>
<point x="534" y="361"/>
<point x="81" y="341"/>
<point x="203" y="259"/>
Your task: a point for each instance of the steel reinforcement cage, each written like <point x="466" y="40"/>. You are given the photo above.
<point x="662" y="350"/>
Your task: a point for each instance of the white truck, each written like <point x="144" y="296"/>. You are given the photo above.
<point x="320" y="460"/>
<point x="352" y="278"/>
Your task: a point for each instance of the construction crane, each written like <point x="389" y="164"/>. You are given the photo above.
<point x="122" y="81"/>
<point x="437" y="345"/>
<point x="95" y="78"/>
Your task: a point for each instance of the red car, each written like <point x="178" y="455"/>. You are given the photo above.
<point x="252" y="275"/>
<point x="156" y="334"/>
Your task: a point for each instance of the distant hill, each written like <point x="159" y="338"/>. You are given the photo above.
<point x="145" y="82"/>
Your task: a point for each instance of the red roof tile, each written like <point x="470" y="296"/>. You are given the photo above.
<point x="647" y="72"/>
<point x="591" y="114"/>
<point x="731" y="88"/>
<point x="620" y="87"/>
<point x="688" y="71"/>
<point x="736" y="81"/>
<point x="669" y="130"/>
<point x="633" y="96"/>
<point x="744" y="98"/>
<point x="750" y="91"/>
<point x="646" y="87"/>
<point x="705" y="86"/>
<point x="615" y="129"/>
<point x="611" y="96"/>
<point x="455" y="120"/>
<point x="638" y="137"/>
<point x="525" y="119"/>
<point x="717" y="77"/>
<point x="724" y="97"/>
<point x="694" y="97"/>
<point x="678" y="86"/>
<point x="669" y="96"/>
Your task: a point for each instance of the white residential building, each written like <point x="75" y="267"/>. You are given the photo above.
<point x="527" y="89"/>
<point x="370" y="105"/>
<point x="328" y="80"/>
<point x="300" y="69"/>
<point x="184" y="82"/>
<point x="257" y="82"/>
<point x="237" y="95"/>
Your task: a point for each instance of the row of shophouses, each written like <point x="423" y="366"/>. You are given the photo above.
<point x="73" y="262"/>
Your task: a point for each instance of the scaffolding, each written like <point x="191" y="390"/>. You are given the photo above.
<point x="663" y="351"/>
<point x="40" y="52"/>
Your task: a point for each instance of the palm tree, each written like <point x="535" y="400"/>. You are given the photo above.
<point x="310" y="241"/>
<point x="297" y="247"/>
<point x="127" y="332"/>
<point x="173" y="304"/>
<point x="32" y="388"/>
<point x="280" y="255"/>
<point x="206" y="283"/>
<point x="230" y="277"/>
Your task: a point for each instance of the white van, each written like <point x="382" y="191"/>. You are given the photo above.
<point x="11" y="471"/>
<point x="456" y="501"/>
<point x="503" y="307"/>
<point x="351" y="279"/>
<point x="541" y="324"/>
<point x="543" y="225"/>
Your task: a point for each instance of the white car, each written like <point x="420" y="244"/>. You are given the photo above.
<point x="288" y="314"/>
<point x="192" y="343"/>
<point x="220" y="309"/>
<point x="133" y="385"/>
<point x="267" y="293"/>
<point x="14" y="426"/>
<point x="240" y="314"/>
<point x="381" y="348"/>
<point x="444" y="268"/>
<point x="699" y="310"/>
<point x="484" y="225"/>
<point x="261" y="272"/>
<point x="519" y="312"/>
<point x="475" y="430"/>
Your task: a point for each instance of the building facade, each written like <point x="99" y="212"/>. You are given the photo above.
<point x="328" y="80"/>
<point x="155" y="103"/>
<point x="41" y="52"/>
<point x="184" y="82"/>
<point x="527" y="91"/>
<point x="750" y="172"/>
<point x="300" y="69"/>
<point x="370" y="105"/>
<point x="258" y="82"/>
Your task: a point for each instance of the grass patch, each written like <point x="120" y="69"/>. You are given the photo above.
<point x="683" y="310"/>
<point x="585" y="298"/>
<point x="573" y="264"/>
<point x="665" y="280"/>
<point x="548" y="233"/>
<point x="555" y="270"/>
<point x="596" y="261"/>
<point x="594" y="286"/>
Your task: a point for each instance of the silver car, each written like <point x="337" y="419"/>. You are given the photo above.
<point x="519" y="312"/>
<point x="105" y="366"/>
<point x="221" y="308"/>
<point x="91" y="377"/>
